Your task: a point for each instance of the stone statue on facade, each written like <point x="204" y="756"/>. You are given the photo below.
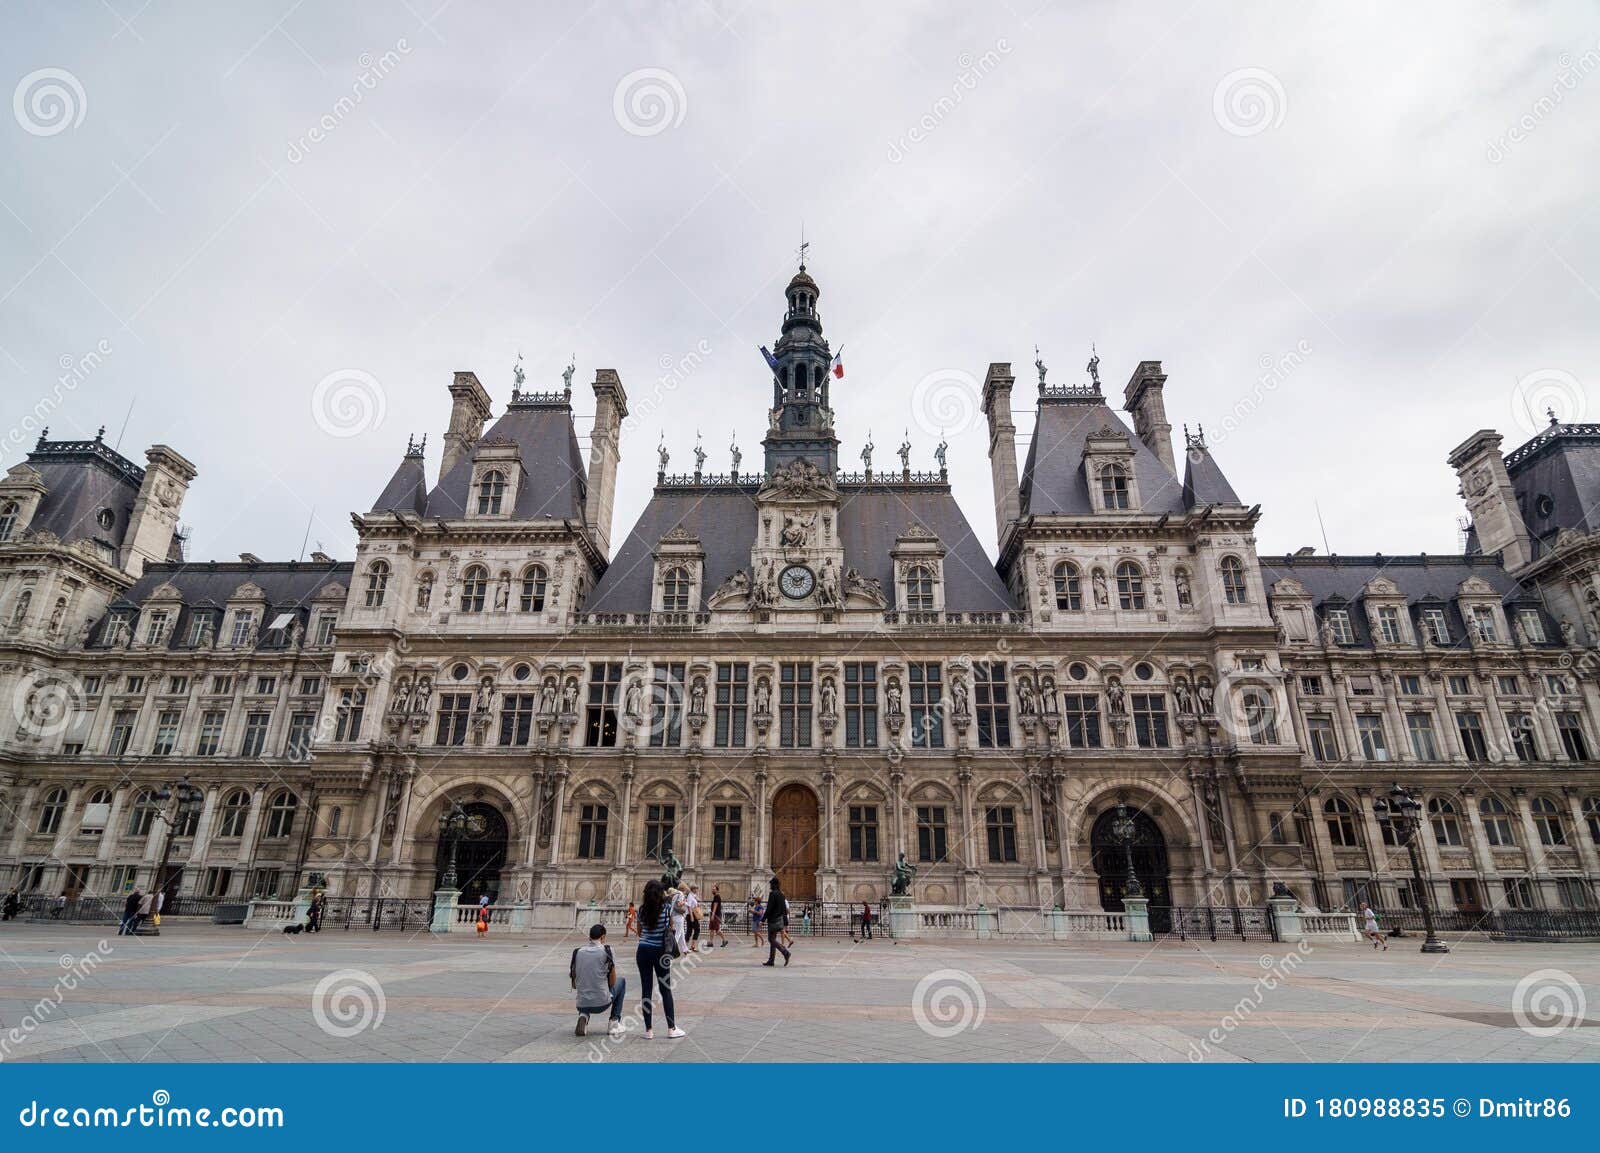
<point x="485" y="696"/>
<point x="502" y="594"/>
<point x="960" y="697"/>
<point x="663" y="457"/>
<point x="892" y="696"/>
<point x="1569" y="634"/>
<point x="866" y="453"/>
<point x="1180" y="578"/>
<point x="763" y="697"/>
<point x="900" y="880"/>
<point x="1027" y="703"/>
<point x="569" y="696"/>
<point x="733" y="451"/>
<point x="830" y="698"/>
<point x="1038" y="363"/>
<point x="797" y="529"/>
<point x="699" y="453"/>
<point x="547" y="697"/>
<point x="1208" y="702"/>
<point x="828" y="584"/>
<point x="904" y="452"/>
<point x="1116" y="696"/>
<point x="566" y="374"/>
<point x="1102" y="597"/>
<point x="423" y="696"/>
<point x="697" y="697"/>
<point x="633" y="700"/>
<point x="1093" y="367"/>
<point x="940" y="454"/>
<point x="1184" y="695"/>
<point x="402" y="696"/>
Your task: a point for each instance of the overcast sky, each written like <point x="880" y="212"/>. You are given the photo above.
<point x="276" y="230"/>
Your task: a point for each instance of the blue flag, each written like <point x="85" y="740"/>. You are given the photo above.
<point x="772" y="361"/>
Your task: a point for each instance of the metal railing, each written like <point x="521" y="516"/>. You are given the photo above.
<point x="1243" y="923"/>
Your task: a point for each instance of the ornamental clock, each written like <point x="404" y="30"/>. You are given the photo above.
<point x="797" y="582"/>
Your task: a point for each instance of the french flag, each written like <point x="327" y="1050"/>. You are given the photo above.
<point x="836" y="369"/>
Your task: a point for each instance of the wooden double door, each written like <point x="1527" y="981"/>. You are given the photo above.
<point x="796" y="843"/>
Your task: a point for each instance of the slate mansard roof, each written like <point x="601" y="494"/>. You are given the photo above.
<point x="871" y="516"/>
<point x="1556" y="476"/>
<point x="83" y="478"/>
<point x="287" y="586"/>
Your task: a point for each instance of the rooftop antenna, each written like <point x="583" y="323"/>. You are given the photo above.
<point x="803" y="246"/>
<point x="1322" y="526"/>
<point x="307" y="537"/>
<point x="124" y="428"/>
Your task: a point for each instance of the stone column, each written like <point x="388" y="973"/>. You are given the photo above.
<point x="109" y="836"/>
<point x="202" y="829"/>
<point x="830" y="818"/>
<point x="1482" y="854"/>
<point x="1402" y="750"/>
<point x="558" y="815"/>
<point x="692" y="857"/>
<point x="625" y="843"/>
<point x="252" y="826"/>
<point x="400" y="845"/>
<point x="59" y="848"/>
<point x="1449" y="738"/>
<point x="898" y="826"/>
<point x="1580" y="835"/>
<point x="1536" y="852"/>
<point x="25" y="813"/>
<point x="379" y="811"/>
<point x="1327" y="862"/>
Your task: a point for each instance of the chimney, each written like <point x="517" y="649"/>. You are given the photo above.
<point x="997" y="387"/>
<point x="605" y="450"/>
<point x="1491" y="501"/>
<point x="469" y="409"/>
<point x="1142" y="397"/>
<point x="155" y="510"/>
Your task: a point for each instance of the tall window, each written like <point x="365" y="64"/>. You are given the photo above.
<point x="1260" y="718"/>
<point x="1338" y="621"/>
<point x="1324" y="738"/>
<point x="1483" y="624"/>
<point x="919" y="588"/>
<point x="9" y="512"/>
<point x="592" y="820"/>
<point x="235" y="811"/>
<point x="666" y="706"/>
<point x="732" y="706"/>
<point x="280" y="814"/>
<point x="993" y="703"/>
<point x="1436" y="625"/>
<point x="1473" y="744"/>
<point x="932" y="834"/>
<point x="863" y="832"/>
<point x="143" y="813"/>
<point x="1591" y="817"/>
<point x="155" y="629"/>
<point x="675" y="590"/>
<point x="605" y="679"/>
<point x="491" y="491"/>
<point x="474" y="588"/>
<point x="1130" y="585"/>
<point x="377" y="588"/>
<point x="534" y="582"/>
<point x="122" y="722"/>
<point x="1570" y="726"/>
<point x="1446" y="824"/>
<point x="455" y="711"/>
<point x="1233" y="586"/>
<point x="1150" y="720"/>
<point x="516" y="718"/>
<point x="1547" y="819"/>
<point x="1532" y="625"/>
<point x="1497" y="827"/>
<point x="727" y="824"/>
<point x="255" y="733"/>
<point x="1114" y="486"/>
<point x="1389" y="625"/>
<point x="1001" y="824"/>
<point x="244" y="620"/>
<point x="1082" y="714"/>
<point x="860" y="705"/>
<point x="1069" y="586"/>
<point x="297" y="745"/>
<point x="1523" y="745"/>
<point x="794" y="706"/>
<point x="926" y="701"/>
<point x="1341" y="822"/>
<point x="51" y="812"/>
<point x="166" y="733"/>
<point x="1374" y="745"/>
<point x="1420" y="728"/>
<point x="351" y="709"/>
<point x="658" y="823"/>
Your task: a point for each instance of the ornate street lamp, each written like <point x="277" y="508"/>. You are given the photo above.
<point x="1403" y="812"/>
<point x="189" y="800"/>
<point x="452" y="827"/>
<point x="1124" y="830"/>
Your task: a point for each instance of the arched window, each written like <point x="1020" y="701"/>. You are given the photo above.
<point x="491" y="491"/>
<point x="675" y="591"/>
<point x="50" y="811"/>
<point x="474" y="588"/>
<point x="1069" y="586"/>
<point x="1591" y="815"/>
<point x="1130" y="585"/>
<point x="534" y="580"/>
<point x="1114" y="486"/>
<point x="280" y="814"/>
<point x="1260" y="718"/>
<point x="377" y="583"/>
<point x="1497" y="827"/>
<point x="143" y="815"/>
<point x="1341" y="820"/>
<point x="1547" y="819"/>
<point x="9" y="513"/>
<point x="1446" y="825"/>
<point x="1233" y="587"/>
<point x="235" y="811"/>
<point x="919" y="588"/>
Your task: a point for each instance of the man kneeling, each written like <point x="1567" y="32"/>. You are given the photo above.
<point x="594" y="976"/>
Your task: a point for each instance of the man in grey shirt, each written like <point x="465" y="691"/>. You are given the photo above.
<point x="594" y="976"/>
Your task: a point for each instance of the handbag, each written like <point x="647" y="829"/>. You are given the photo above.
<point x="669" y="939"/>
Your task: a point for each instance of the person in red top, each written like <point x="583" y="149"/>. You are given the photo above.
<point x="631" y="929"/>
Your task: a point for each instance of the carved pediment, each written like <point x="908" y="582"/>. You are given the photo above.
<point x="799" y="480"/>
<point x="166" y="591"/>
<point x="333" y="592"/>
<point x="1288" y="587"/>
<point x="1475" y="586"/>
<point x="249" y="591"/>
<point x="1382" y="587"/>
<point x="677" y="534"/>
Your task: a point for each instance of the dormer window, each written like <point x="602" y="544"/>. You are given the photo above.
<point x="1069" y="586"/>
<point x="491" y="492"/>
<point x="155" y="629"/>
<point x="1483" y="624"/>
<point x="1233" y="586"/>
<point x="1338" y="621"/>
<point x="377" y="583"/>
<point x="1130" y="585"/>
<point x="675" y="591"/>
<point x="1114" y="487"/>
<point x="919" y="589"/>
<point x="474" y="588"/>
<point x="1532" y="626"/>
<point x="535" y="580"/>
<point x="10" y="513"/>
<point x="1389" y="625"/>
<point x="1436" y="625"/>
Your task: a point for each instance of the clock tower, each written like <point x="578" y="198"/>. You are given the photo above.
<point x="800" y="422"/>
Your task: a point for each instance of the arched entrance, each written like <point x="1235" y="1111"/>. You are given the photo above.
<point x="480" y="855"/>
<point x="796" y="851"/>
<point x="1149" y="865"/>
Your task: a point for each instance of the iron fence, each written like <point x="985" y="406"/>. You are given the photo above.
<point x="1508" y="924"/>
<point x="1236" y="922"/>
<point x="377" y="913"/>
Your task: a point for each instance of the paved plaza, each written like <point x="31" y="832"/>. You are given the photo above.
<point x="205" y="993"/>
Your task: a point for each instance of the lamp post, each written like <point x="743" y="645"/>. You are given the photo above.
<point x="452" y="827"/>
<point x="1123" y="829"/>
<point x="1403" y="812"/>
<point x="189" y="799"/>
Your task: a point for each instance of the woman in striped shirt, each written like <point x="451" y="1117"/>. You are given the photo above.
<point x="655" y="923"/>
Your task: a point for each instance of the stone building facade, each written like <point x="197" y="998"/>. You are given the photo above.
<point x="803" y="669"/>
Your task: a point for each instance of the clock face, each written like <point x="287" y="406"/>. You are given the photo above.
<point x="797" y="581"/>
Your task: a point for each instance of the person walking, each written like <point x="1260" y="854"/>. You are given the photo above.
<point x="130" y="913"/>
<point x="594" y="976"/>
<point x="777" y="913"/>
<point x="1370" y="927"/>
<point x="758" y="910"/>
<point x="8" y="912"/>
<point x="655" y="965"/>
<point x="314" y="914"/>
<point x="677" y="899"/>
<point x="716" y="920"/>
<point x="147" y="906"/>
<point x="866" y="921"/>
<point x="691" y="917"/>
